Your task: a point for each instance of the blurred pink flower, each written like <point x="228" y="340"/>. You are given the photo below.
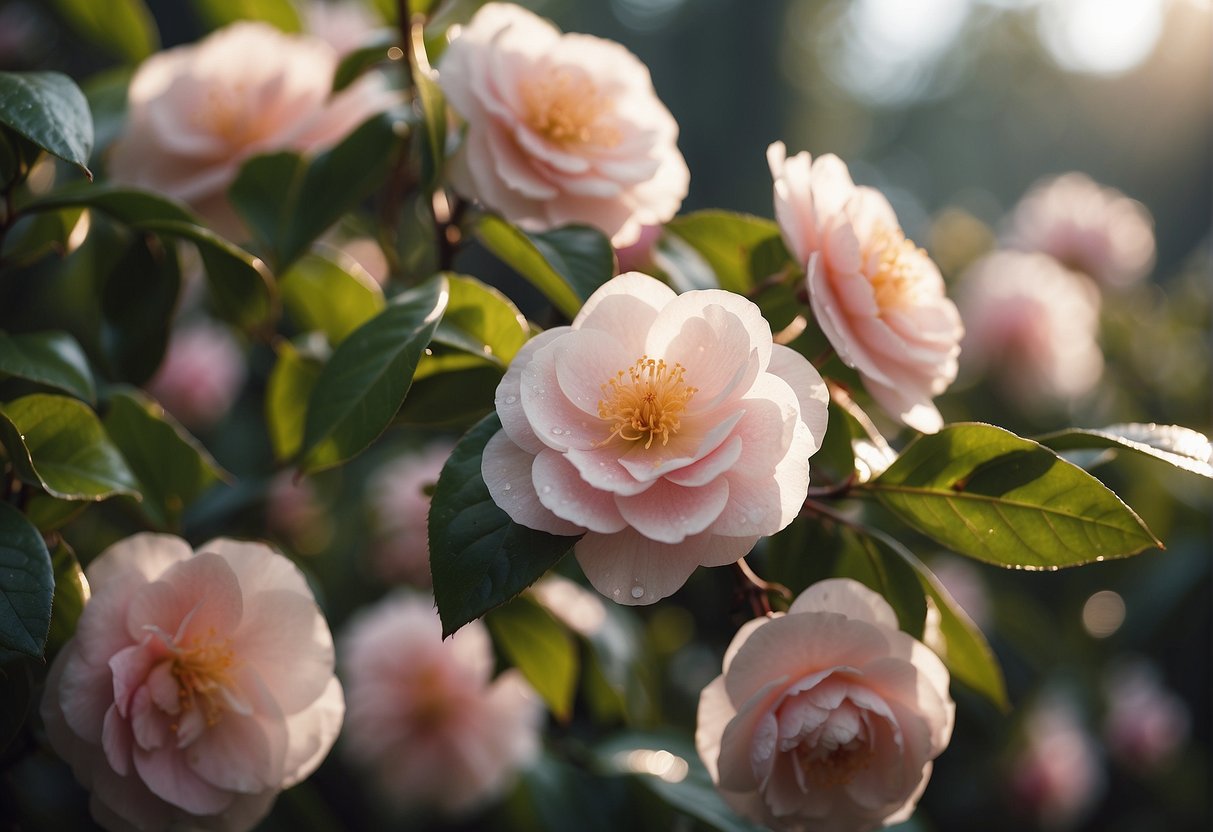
<point x="1146" y="724"/>
<point x="1057" y="775"/>
<point x="561" y="128"/>
<point x="196" y="113"/>
<point x="666" y="429"/>
<point x="197" y="686"/>
<point x="827" y="718"/>
<point x="1032" y="323"/>
<point x="399" y="493"/>
<point x="878" y="298"/>
<point x="345" y="25"/>
<point x="1086" y="227"/>
<point x="201" y="374"/>
<point x="638" y="257"/>
<point x="424" y="718"/>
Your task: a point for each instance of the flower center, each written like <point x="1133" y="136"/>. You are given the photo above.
<point x="566" y="107"/>
<point x="202" y="670"/>
<point x="646" y="404"/>
<point x="835" y="766"/>
<point x="896" y="267"/>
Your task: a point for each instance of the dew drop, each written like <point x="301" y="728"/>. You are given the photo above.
<point x="547" y="489"/>
<point x="511" y="399"/>
<point x="557" y="432"/>
<point x="506" y="487"/>
<point x="637" y="592"/>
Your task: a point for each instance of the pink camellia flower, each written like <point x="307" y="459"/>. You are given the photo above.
<point x="196" y="113"/>
<point x="1089" y="228"/>
<point x="878" y="298"/>
<point x="561" y="128"/>
<point x="827" y="718"/>
<point x="399" y="494"/>
<point x="1033" y="323"/>
<point x="198" y="684"/>
<point x="424" y="718"/>
<point x="667" y="429"/>
<point x="202" y="371"/>
<point x="1146" y="724"/>
<point x="1057" y="776"/>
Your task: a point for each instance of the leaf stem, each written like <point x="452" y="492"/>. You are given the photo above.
<point x="755" y="591"/>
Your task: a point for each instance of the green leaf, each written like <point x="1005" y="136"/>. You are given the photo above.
<point x="171" y="466"/>
<point x="280" y="13"/>
<point x="16" y="696"/>
<point x="989" y="494"/>
<point x="728" y="241"/>
<point x="362" y="385"/>
<point x="287" y="392"/>
<point x="333" y="295"/>
<point x="433" y="116"/>
<point x="58" y="444"/>
<point x="1182" y="447"/>
<point x="481" y="321"/>
<point x="288" y="201"/>
<point x="479" y="557"/>
<point x="451" y="399"/>
<point x="50" y="358"/>
<point x="539" y="646"/>
<point x="124" y="28"/>
<point x="27" y="584"/>
<point x="138" y="295"/>
<point x="71" y="593"/>
<point x="50" y="110"/>
<point x="50" y="513"/>
<point x="567" y="264"/>
<point x="354" y="64"/>
<point x="33" y="237"/>
<point x="873" y="564"/>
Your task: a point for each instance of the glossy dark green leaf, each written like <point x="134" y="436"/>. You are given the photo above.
<point x="541" y="648"/>
<point x="27" y="584"/>
<point x="33" y="237"/>
<point x="456" y="399"/>
<point x="728" y="242"/>
<point x="58" y="443"/>
<point x="50" y="513"/>
<point x="356" y="62"/>
<point x="1182" y="447"/>
<point x="872" y="563"/>
<point x="138" y="295"/>
<point x="835" y="459"/>
<point x="290" y="386"/>
<point x="479" y="558"/>
<point x="989" y="494"/>
<point x="50" y="358"/>
<point x="481" y="321"/>
<point x="362" y="385"/>
<point x="71" y="593"/>
<point x="171" y="466"/>
<point x="124" y="28"/>
<point x="331" y="294"/>
<point x="282" y="14"/>
<point x="567" y="264"/>
<point x="48" y="109"/>
<point x="289" y="200"/>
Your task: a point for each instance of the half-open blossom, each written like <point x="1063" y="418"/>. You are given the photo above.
<point x="399" y="494"/>
<point x="195" y="113"/>
<point x="201" y="374"/>
<point x="1057" y="774"/>
<point x="198" y="684"/>
<point x="1032" y="324"/>
<point x="827" y="718"/>
<point x="561" y="128"/>
<point x="1087" y="227"/>
<point x="666" y="429"/>
<point x="1146" y="723"/>
<point x="878" y="298"/>
<point x="426" y="719"/>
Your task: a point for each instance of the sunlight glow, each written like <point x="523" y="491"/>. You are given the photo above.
<point x="1100" y="37"/>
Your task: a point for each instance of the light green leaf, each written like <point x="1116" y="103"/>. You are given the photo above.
<point x="356" y="62"/>
<point x="989" y="494"/>
<point x="540" y="647"/>
<point x="124" y="28"/>
<point x="362" y="385"/>
<point x="71" y="593"/>
<point x="48" y="109"/>
<point x="433" y="115"/>
<point x="481" y="321"/>
<point x="332" y="294"/>
<point x="729" y="242"/>
<point x="280" y="13"/>
<point x="1184" y="448"/>
<point x="290" y="385"/>
<point x="479" y="557"/>
<point x="27" y="584"/>
<point x="567" y="264"/>
<point x="50" y="358"/>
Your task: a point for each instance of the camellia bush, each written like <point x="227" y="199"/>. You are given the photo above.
<point x="375" y="427"/>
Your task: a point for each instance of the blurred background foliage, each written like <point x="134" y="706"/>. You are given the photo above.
<point x="953" y="108"/>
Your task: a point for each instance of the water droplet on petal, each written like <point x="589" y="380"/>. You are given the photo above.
<point x="506" y="487"/>
<point x="547" y="489"/>
<point x="557" y="432"/>
<point x="511" y="399"/>
<point x="637" y="592"/>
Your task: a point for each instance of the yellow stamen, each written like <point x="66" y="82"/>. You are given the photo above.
<point x="898" y="268"/>
<point x="648" y="403"/>
<point x="202" y="669"/>
<point x="566" y="107"/>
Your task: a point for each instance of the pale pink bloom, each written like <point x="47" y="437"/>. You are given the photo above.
<point x="201" y="374"/>
<point x="426" y="719"/>
<point x="638" y="257"/>
<point x="197" y="686"/>
<point x="1087" y="227"/>
<point x="345" y="25"/>
<point x="561" y="128"/>
<point x="196" y="113"/>
<point x="1031" y="323"/>
<point x="827" y="718"/>
<point x="399" y="494"/>
<point x="1146" y="724"/>
<point x="293" y="509"/>
<point x="368" y="254"/>
<point x="878" y="298"/>
<point x="577" y="608"/>
<point x="667" y="429"/>
<point x="1057" y="775"/>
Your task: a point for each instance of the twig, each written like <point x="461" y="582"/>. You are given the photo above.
<point x="755" y="591"/>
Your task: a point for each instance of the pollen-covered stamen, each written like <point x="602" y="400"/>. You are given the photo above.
<point x="896" y="267"/>
<point x="566" y="107"/>
<point x="646" y="404"/>
<point x="202" y="668"/>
